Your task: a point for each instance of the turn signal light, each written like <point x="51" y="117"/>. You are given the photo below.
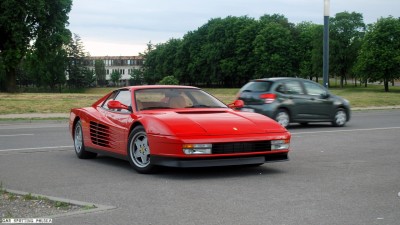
<point x="280" y="144"/>
<point x="196" y="149"/>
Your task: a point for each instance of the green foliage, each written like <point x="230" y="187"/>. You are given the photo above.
<point x="59" y="204"/>
<point x="227" y="52"/>
<point x="115" y="77"/>
<point x="77" y="76"/>
<point x="169" y="80"/>
<point x="379" y="58"/>
<point x="100" y="71"/>
<point x="28" y="196"/>
<point x="309" y="49"/>
<point x="136" y="77"/>
<point x="346" y="33"/>
<point x="38" y="25"/>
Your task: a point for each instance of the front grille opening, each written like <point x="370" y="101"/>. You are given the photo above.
<point x="241" y="147"/>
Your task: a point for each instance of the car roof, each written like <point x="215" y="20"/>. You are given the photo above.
<point x="278" y="79"/>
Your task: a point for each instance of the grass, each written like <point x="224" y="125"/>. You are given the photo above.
<point x="373" y="95"/>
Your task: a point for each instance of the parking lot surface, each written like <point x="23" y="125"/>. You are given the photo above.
<point x="347" y="175"/>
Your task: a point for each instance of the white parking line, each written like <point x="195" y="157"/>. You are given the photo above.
<point x="39" y="148"/>
<point x="339" y="131"/>
<point x="16" y="127"/>
<point x="15" y="135"/>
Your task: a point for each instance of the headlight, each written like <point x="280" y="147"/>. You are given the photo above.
<point x="280" y="144"/>
<point x="196" y="149"/>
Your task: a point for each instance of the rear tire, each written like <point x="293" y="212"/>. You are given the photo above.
<point x="340" y="118"/>
<point x="79" y="144"/>
<point x="282" y="117"/>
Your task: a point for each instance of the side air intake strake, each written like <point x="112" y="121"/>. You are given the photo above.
<point x="100" y="134"/>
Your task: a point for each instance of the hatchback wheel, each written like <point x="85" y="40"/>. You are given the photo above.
<point x="340" y="118"/>
<point x="282" y="117"/>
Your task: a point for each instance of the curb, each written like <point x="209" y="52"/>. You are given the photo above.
<point x="99" y="208"/>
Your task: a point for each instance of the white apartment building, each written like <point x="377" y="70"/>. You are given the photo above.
<point x="124" y="64"/>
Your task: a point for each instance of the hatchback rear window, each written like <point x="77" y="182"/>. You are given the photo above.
<point x="257" y="86"/>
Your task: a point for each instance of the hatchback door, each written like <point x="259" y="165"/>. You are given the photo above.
<point x="250" y="93"/>
<point x="292" y="97"/>
<point x="319" y="104"/>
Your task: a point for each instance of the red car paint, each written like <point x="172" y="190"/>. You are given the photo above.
<point x="107" y="130"/>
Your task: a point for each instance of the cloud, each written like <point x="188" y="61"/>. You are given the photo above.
<point x="133" y="23"/>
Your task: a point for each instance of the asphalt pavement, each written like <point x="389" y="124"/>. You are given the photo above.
<point x="336" y="176"/>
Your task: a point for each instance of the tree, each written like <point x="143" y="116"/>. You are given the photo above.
<point x="169" y="80"/>
<point x="89" y="77"/>
<point x="100" y="71"/>
<point x="274" y="48"/>
<point x="379" y="58"/>
<point x="347" y="30"/>
<point x="308" y="47"/>
<point x="21" y="23"/>
<point x="75" y="69"/>
<point x="136" y="77"/>
<point x="115" y="77"/>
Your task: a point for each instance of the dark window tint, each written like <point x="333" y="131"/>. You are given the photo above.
<point x="257" y="86"/>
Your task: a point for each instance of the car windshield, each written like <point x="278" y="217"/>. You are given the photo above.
<point x="175" y="98"/>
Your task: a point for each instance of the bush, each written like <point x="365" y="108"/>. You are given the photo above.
<point x="169" y="80"/>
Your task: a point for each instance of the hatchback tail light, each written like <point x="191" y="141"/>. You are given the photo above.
<point x="268" y="98"/>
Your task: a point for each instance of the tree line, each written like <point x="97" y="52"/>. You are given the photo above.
<point x="227" y="52"/>
<point x="37" y="49"/>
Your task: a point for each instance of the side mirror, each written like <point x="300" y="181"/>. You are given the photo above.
<point x="325" y="95"/>
<point x="237" y="104"/>
<point x="114" y="104"/>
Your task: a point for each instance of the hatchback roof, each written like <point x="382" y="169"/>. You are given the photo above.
<point x="277" y="79"/>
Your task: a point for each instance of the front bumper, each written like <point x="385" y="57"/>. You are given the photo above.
<point x="222" y="161"/>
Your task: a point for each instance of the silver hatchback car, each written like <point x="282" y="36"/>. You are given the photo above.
<point x="294" y="100"/>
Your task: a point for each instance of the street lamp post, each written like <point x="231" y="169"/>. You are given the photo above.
<point x="326" y="44"/>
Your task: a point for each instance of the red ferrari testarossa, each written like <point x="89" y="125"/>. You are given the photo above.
<point x="175" y="126"/>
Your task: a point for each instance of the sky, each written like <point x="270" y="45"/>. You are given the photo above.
<point x="124" y="27"/>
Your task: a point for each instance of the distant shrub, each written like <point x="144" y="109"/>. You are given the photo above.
<point x="169" y="80"/>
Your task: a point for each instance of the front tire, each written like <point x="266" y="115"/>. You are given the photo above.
<point x="79" y="144"/>
<point x="340" y="118"/>
<point x="282" y="117"/>
<point x="139" y="151"/>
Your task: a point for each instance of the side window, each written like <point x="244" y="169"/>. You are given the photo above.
<point x="314" y="89"/>
<point x="111" y="97"/>
<point x="294" y="88"/>
<point x="281" y="89"/>
<point x="124" y="96"/>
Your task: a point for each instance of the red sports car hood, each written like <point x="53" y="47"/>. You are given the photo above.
<point x="211" y="122"/>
